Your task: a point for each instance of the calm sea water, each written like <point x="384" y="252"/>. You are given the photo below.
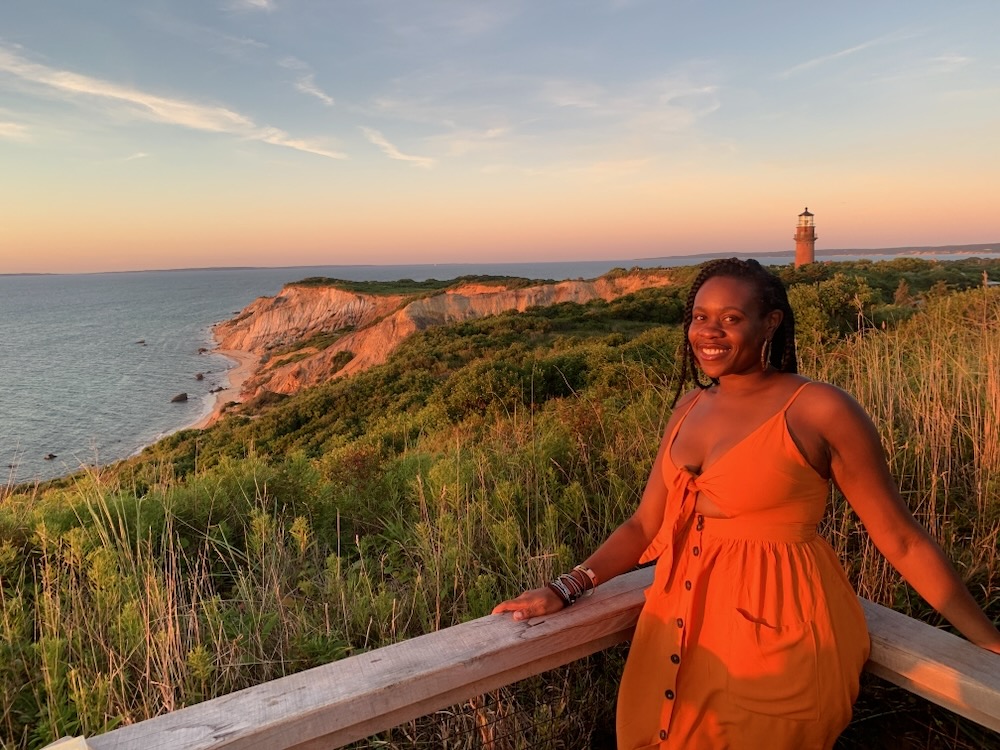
<point x="77" y="384"/>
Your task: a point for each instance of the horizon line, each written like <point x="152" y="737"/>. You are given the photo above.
<point x="945" y="249"/>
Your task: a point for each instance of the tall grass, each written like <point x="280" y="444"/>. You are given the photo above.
<point x="932" y="386"/>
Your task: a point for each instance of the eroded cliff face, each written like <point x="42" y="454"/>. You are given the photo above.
<point x="299" y="313"/>
<point x="371" y="326"/>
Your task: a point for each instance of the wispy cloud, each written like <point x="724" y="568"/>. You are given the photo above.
<point x="478" y="19"/>
<point x="14" y="131"/>
<point x="137" y="155"/>
<point x="947" y="63"/>
<point x="306" y="82"/>
<point x="266" y="5"/>
<point x="376" y="138"/>
<point x="144" y="105"/>
<point x="823" y="59"/>
<point x="239" y="48"/>
<point x="924" y="69"/>
<point x="467" y="19"/>
<point x="463" y="102"/>
<point x="307" y="85"/>
<point x="668" y="104"/>
<point x="617" y="5"/>
<point x="619" y="168"/>
<point x="466" y="142"/>
<point x="581" y="95"/>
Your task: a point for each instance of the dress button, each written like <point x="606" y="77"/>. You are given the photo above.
<point x="663" y="734"/>
<point x="687" y="585"/>
<point x="675" y="658"/>
<point x="680" y="622"/>
<point x="696" y="552"/>
<point x="670" y="695"/>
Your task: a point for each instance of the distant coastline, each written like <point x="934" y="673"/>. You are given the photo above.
<point x="687" y="259"/>
<point x="880" y="252"/>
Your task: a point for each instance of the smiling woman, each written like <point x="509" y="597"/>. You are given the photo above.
<point x="751" y="635"/>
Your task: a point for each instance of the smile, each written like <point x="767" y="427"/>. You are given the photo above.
<point x="711" y="351"/>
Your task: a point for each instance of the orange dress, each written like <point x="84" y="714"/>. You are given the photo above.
<point x="751" y="636"/>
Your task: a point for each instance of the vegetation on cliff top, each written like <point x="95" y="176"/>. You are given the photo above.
<point x="411" y="287"/>
<point x="480" y="459"/>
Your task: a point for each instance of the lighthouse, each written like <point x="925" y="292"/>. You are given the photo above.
<point x="805" y="239"/>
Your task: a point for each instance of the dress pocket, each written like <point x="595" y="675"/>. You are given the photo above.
<point x="772" y="668"/>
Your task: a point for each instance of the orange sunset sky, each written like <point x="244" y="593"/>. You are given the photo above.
<point x="274" y="133"/>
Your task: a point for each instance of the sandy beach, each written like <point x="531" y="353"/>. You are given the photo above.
<point x="246" y="363"/>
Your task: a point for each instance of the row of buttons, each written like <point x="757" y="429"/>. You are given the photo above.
<point x="675" y="659"/>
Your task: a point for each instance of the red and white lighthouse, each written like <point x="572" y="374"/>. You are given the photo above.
<point x="805" y="239"/>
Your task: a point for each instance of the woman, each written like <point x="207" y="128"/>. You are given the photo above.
<point x="751" y="635"/>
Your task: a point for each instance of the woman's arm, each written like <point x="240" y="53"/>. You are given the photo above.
<point x="858" y="466"/>
<point x="622" y="549"/>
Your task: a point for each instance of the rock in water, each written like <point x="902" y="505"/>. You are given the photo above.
<point x="180" y="397"/>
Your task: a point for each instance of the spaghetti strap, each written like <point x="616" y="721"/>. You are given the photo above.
<point x="794" y="396"/>
<point x="683" y="416"/>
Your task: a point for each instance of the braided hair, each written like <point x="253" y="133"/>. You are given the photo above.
<point x="771" y="295"/>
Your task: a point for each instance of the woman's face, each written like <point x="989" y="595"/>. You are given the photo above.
<point x="728" y="329"/>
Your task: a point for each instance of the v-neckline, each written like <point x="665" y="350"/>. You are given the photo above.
<point x="731" y="448"/>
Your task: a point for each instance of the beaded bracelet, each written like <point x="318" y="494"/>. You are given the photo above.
<point x="569" y="588"/>
<point x="561" y="591"/>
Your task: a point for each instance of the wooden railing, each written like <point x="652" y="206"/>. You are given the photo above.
<point x="348" y="700"/>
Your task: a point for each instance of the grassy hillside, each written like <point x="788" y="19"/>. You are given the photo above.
<point x="480" y="459"/>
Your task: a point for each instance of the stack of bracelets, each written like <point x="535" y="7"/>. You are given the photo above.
<point x="569" y="586"/>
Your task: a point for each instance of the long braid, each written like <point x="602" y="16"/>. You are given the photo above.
<point x="771" y="296"/>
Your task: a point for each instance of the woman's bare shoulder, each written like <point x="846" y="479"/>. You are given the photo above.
<point x="825" y="403"/>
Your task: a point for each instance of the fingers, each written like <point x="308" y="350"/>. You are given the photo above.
<point x="516" y="605"/>
<point x="507" y="606"/>
<point x="521" y="610"/>
<point x="530" y="604"/>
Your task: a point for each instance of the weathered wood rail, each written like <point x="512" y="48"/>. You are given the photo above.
<point x="348" y="700"/>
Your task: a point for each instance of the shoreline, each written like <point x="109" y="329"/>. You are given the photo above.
<point x="236" y="376"/>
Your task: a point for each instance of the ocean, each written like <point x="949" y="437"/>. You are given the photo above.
<point x="91" y="361"/>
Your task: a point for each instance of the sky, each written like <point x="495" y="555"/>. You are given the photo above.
<point x="140" y="134"/>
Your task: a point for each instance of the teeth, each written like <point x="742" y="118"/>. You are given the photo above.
<point x="709" y="350"/>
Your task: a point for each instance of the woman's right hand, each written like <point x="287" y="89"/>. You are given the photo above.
<point x="533" y="603"/>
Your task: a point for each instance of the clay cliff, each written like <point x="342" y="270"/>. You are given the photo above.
<point x="366" y="328"/>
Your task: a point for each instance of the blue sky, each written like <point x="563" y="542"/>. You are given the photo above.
<point x="276" y="132"/>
